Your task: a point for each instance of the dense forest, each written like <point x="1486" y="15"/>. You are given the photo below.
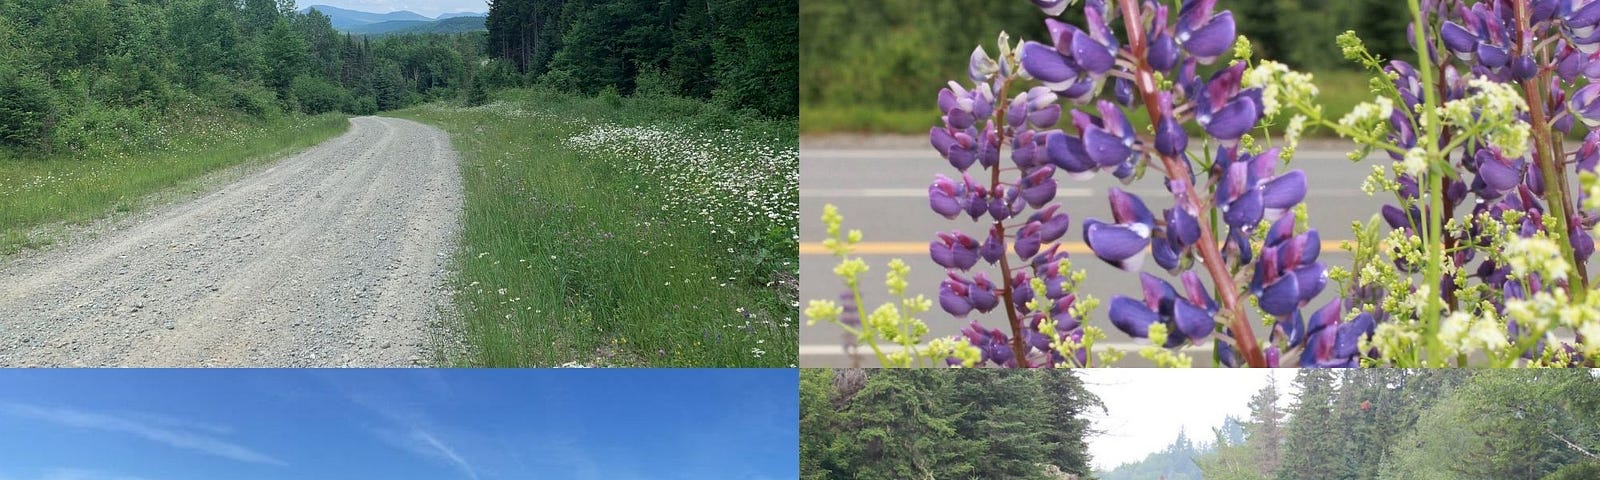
<point x="80" y="74"/>
<point x="922" y="424"/>
<point x="1400" y="424"/>
<point x="896" y="54"/>
<point x="116" y="75"/>
<point x="741" y="53"/>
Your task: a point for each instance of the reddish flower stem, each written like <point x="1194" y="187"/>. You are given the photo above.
<point x="1018" y="347"/>
<point x="1177" y="171"/>
<point x="1545" y="149"/>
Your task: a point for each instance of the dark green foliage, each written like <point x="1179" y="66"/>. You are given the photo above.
<point x="741" y="52"/>
<point x="317" y="95"/>
<point x="477" y="93"/>
<point x="1069" y="407"/>
<point x="609" y="96"/>
<point x="918" y="424"/>
<point x="1445" y="424"/>
<point x="283" y="56"/>
<point x="894" y="55"/>
<point x="1313" y="433"/>
<point x="1505" y="424"/>
<point x="756" y="60"/>
<point x="81" y="73"/>
<point x="26" y="109"/>
<point x="1578" y="471"/>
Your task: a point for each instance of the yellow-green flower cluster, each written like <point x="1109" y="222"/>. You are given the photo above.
<point x="1280" y="86"/>
<point x="893" y="323"/>
<point x="1491" y="110"/>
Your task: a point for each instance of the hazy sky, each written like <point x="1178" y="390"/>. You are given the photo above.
<point x="428" y="8"/>
<point x="1145" y="407"/>
<point x="473" y="424"/>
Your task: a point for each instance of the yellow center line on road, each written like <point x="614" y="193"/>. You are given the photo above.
<point x="910" y="248"/>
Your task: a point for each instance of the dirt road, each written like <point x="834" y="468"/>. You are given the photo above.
<point x="332" y="257"/>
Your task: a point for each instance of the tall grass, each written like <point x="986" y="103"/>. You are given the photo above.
<point x="613" y="231"/>
<point x="38" y="189"/>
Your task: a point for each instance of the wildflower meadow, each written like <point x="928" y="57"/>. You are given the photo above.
<point x="624" y="232"/>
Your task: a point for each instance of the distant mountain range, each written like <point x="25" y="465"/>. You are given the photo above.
<point x="401" y="22"/>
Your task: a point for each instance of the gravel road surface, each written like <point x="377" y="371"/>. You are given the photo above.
<point x="332" y="257"/>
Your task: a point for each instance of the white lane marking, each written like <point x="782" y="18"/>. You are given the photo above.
<point x="907" y="192"/>
<point x="1062" y="193"/>
<point x="835" y="350"/>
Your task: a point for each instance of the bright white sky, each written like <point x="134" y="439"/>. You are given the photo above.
<point x="428" y="8"/>
<point x="1145" y="407"/>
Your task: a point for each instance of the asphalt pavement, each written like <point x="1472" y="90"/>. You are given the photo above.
<point x="880" y="186"/>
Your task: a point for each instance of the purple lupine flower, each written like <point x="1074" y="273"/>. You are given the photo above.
<point x="1190" y="315"/>
<point x="991" y="342"/>
<point x="1203" y="35"/>
<point x="1122" y="243"/>
<point x="1496" y="173"/>
<point x="1052" y="7"/>
<point x="1038" y="187"/>
<point x="1078" y="62"/>
<point x="1108" y="140"/>
<point x="1224" y="109"/>
<point x="1288" y="275"/>
<point x="1034" y="107"/>
<point x="964" y="108"/>
<point x="1162" y="47"/>
<point x="954" y="250"/>
<point x="1333" y="342"/>
<point x="1171" y="140"/>
<point x="1585" y="104"/>
<point x="959" y="296"/>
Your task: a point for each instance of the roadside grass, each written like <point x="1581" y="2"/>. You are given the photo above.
<point x="1340" y="92"/>
<point x="624" y="232"/>
<point x="40" y="191"/>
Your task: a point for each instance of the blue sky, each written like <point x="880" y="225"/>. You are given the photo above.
<point x="479" y="424"/>
<point x="428" y="8"/>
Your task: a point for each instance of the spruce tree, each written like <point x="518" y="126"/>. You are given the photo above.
<point x="1311" y="450"/>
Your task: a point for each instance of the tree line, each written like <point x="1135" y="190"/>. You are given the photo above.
<point x="897" y="53"/>
<point x="77" y="71"/>
<point x="922" y="424"/>
<point x="1400" y="424"/>
<point x="741" y="53"/>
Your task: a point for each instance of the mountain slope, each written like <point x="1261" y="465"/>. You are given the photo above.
<point x="450" y="15"/>
<point x="343" y="18"/>
<point x="401" y="22"/>
<point x="449" y="25"/>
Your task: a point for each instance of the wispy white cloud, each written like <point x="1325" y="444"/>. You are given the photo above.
<point x="426" y="444"/>
<point x="85" y="474"/>
<point x="170" y="435"/>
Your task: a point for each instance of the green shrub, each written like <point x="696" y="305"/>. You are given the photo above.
<point x="610" y="96"/>
<point x="366" y="105"/>
<point x="651" y="82"/>
<point x="317" y="95"/>
<point x="477" y="94"/>
<point x="559" y="80"/>
<point x="1576" y="471"/>
<point x="26" y="109"/>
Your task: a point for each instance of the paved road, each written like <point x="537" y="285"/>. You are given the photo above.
<point x="880" y="185"/>
<point x="332" y="257"/>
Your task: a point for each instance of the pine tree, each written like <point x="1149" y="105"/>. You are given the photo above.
<point x="1310" y="450"/>
<point x="1069" y="403"/>
<point x="1266" y="432"/>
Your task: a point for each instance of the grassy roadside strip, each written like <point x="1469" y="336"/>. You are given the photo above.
<point x="628" y="232"/>
<point x="38" y="190"/>
<point x="1340" y="92"/>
